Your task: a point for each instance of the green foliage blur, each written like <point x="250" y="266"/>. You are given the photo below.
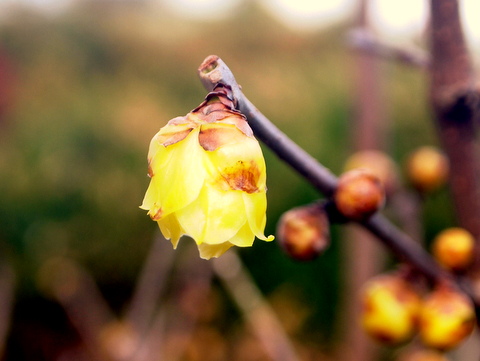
<point x="89" y="88"/>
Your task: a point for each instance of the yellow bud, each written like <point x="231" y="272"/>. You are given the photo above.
<point x="453" y="248"/>
<point x="447" y="317"/>
<point x="379" y="163"/>
<point x="304" y="232"/>
<point x="208" y="178"/>
<point x="389" y="309"/>
<point x="427" y="168"/>
<point x="359" y="194"/>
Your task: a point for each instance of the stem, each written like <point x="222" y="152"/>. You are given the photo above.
<point x="319" y="176"/>
<point x="368" y="131"/>
<point x="254" y="307"/>
<point x="365" y="41"/>
<point x="283" y="146"/>
<point x="149" y="286"/>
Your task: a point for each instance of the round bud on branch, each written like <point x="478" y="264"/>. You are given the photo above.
<point x="427" y="169"/>
<point x="359" y="194"/>
<point x="304" y="232"/>
<point x="453" y="248"/>
<point x="446" y="319"/>
<point x="390" y="306"/>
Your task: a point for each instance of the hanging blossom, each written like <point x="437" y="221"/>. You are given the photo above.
<point x="208" y="178"/>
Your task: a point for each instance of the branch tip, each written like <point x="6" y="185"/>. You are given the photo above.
<point x="209" y="64"/>
<point x="320" y="177"/>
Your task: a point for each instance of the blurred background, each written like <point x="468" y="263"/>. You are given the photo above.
<point x="85" y="84"/>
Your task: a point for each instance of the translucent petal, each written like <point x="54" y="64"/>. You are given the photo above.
<point x="171" y="229"/>
<point x="171" y="134"/>
<point x="256" y="206"/>
<point x="158" y="156"/>
<point x="150" y="198"/>
<point x="244" y="237"/>
<point x="216" y="135"/>
<point x="208" y="251"/>
<point x="179" y="174"/>
<point x="215" y="216"/>
<point x="153" y="148"/>
<point x="238" y="166"/>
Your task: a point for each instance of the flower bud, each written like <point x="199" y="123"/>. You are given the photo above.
<point x="359" y="194"/>
<point x="208" y="178"/>
<point x="379" y="163"/>
<point x="447" y="317"/>
<point x="389" y="308"/>
<point x="304" y="232"/>
<point x="453" y="248"/>
<point x="427" y="169"/>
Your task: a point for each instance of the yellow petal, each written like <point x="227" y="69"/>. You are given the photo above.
<point x="151" y="196"/>
<point x="208" y="251"/>
<point x="256" y="206"/>
<point x="171" y="229"/>
<point x="157" y="155"/>
<point x="171" y="134"/>
<point x="178" y="174"/>
<point x="215" y="217"/>
<point x="215" y="135"/>
<point x="244" y="237"/>
<point x="239" y="166"/>
<point x="153" y="148"/>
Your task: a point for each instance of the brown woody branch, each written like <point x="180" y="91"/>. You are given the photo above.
<point x="213" y="71"/>
<point x="455" y="102"/>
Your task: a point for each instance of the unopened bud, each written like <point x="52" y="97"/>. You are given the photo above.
<point x="453" y="248"/>
<point x="379" y="163"/>
<point x="389" y="308"/>
<point x="427" y="169"/>
<point x="447" y="317"/>
<point x="304" y="232"/>
<point x="359" y="194"/>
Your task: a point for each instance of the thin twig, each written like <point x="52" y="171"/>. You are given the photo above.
<point x="365" y="41"/>
<point x="75" y="289"/>
<point x="400" y="243"/>
<point x="193" y="282"/>
<point x="255" y="308"/>
<point x="213" y="71"/>
<point x="167" y="320"/>
<point x="150" y="284"/>
<point x="369" y="131"/>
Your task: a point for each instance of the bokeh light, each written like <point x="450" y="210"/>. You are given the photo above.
<point x="203" y="9"/>
<point x="310" y="15"/>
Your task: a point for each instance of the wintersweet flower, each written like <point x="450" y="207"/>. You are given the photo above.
<point x="208" y="178"/>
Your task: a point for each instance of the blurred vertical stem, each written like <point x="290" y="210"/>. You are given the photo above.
<point x="150" y="284"/>
<point x="255" y="308"/>
<point x="7" y="296"/>
<point x="367" y="133"/>
<point x="455" y="103"/>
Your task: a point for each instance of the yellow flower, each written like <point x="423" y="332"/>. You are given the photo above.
<point x="208" y="178"/>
